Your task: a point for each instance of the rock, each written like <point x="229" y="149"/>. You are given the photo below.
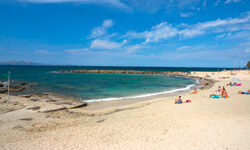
<point x="51" y="100"/>
<point x="34" y="108"/>
<point x="34" y="100"/>
<point x="53" y="110"/>
<point x="1" y="85"/>
<point x="16" y="88"/>
<point x="26" y="96"/>
<point x="79" y="106"/>
<point x="2" y="90"/>
<point x="17" y="126"/>
<point x="26" y="119"/>
<point x="23" y="83"/>
<point x="65" y="103"/>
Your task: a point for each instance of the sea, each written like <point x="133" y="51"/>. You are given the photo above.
<point x="100" y="87"/>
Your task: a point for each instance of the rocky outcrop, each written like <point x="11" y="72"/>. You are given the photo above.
<point x="124" y="72"/>
<point x="16" y="88"/>
<point x="3" y="90"/>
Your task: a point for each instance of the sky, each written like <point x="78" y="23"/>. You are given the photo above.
<point x="164" y="33"/>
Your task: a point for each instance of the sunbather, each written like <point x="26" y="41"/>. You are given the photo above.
<point x="241" y="92"/>
<point x="195" y="91"/>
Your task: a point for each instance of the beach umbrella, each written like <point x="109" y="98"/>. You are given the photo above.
<point x="235" y="79"/>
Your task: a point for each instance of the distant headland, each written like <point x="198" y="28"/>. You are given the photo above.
<point x="28" y="63"/>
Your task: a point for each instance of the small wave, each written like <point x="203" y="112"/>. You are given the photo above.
<point x="144" y="95"/>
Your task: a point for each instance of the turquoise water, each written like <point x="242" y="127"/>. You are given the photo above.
<point x="97" y="86"/>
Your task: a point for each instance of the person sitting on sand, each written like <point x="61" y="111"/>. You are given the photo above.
<point x="240" y="92"/>
<point x="178" y="100"/>
<point x="195" y="91"/>
<point x="219" y="89"/>
<point x="224" y="93"/>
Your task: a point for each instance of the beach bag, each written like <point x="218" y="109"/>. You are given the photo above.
<point x="225" y="96"/>
<point x="239" y="84"/>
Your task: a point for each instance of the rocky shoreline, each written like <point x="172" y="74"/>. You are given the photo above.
<point x="125" y="72"/>
<point x="208" y="83"/>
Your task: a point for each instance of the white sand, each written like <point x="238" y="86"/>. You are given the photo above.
<point x="205" y="123"/>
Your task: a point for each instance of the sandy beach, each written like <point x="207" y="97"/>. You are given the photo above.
<point x="205" y="123"/>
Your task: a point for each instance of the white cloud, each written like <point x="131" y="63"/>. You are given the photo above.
<point x="107" y="23"/>
<point x="217" y="3"/>
<point x="133" y="48"/>
<point x="189" y="14"/>
<point x="235" y="1"/>
<point x="247" y="50"/>
<point x="183" y="47"/>
<point x="114" y="3"/>
<point x="101" y="30"/>
<point x="161" y="31"/>
<point x="229" y="34"/>
<point x="105" y="44"/>
<point x="242" y="35"/>
<point x="220" y="36"/>
<point x="220" y="22"/>
<point x="204" y="3"/>
<point x="164" y="31"/>
<point x="42" y="51"/>
<point x="77" y="51"/>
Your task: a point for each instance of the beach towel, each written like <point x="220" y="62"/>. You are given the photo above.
<point x="214" y="96"/>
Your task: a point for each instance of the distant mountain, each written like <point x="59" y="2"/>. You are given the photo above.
<point x="13" y="62"/>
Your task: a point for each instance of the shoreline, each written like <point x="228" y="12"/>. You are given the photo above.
<point x="100" y="104"/>
<point x="126" y="102"/>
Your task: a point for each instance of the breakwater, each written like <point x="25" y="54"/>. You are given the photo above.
<point x="125" y="72"/>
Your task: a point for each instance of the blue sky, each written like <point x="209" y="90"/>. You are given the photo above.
<point x="170" y="33"/>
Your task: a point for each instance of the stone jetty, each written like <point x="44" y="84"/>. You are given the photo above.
<point x="124" y="72"/>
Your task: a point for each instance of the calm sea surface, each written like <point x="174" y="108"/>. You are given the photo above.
<point x="100" y="86"/>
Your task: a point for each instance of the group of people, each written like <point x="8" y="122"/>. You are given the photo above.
<point x="179" y="100"/>
<point x="223" y="92"/>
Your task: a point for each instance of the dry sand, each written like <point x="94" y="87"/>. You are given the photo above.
<point x="205" y="123"/>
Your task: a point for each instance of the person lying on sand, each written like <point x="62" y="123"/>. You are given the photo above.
<point x="178" y="100"/>
<point x="229" y="84"/>
<point x="195" y="91"/>
<point x="241" y="92"/>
